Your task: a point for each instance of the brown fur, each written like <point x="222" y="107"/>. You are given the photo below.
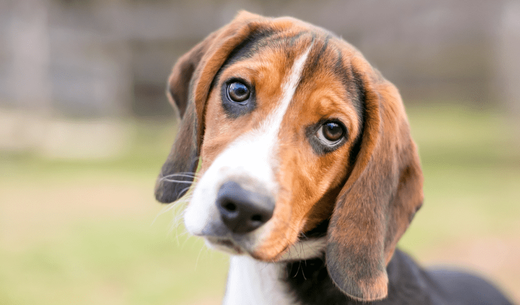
<point x="370" y="202"/>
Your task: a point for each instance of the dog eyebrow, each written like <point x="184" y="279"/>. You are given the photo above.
<point x="244" y="50"/>
<point x="247" y="47"/>
<point x="253" y="44"/>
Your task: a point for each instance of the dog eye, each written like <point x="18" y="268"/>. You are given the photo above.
<point x="331" y="133"/>
<point x="238" y="92"/>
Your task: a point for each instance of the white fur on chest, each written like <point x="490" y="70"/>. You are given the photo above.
<point x="252" y="282"/>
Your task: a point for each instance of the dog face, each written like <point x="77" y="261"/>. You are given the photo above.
<point x="292" y="129"/>
<point x="274" y="143"/>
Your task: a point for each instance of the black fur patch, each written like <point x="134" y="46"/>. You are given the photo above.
<point x="310" y="284"/>
<point x="319" y="231"/>
<point x="320" y="48"/>
<point x="353" y="83"/>
<point x="177" y="172"/>
<point x="360" y="105"/>
<point x="247" y="48"/>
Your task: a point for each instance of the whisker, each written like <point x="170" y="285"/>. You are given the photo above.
<point x="182" y="192"/>
<point x="198" y="257"/>
<point x="176" y="181"/>
<point x="187" y="174"/>
<point x="303" y="271"/>
<point x="184" y="173"/>
<point x="297" y="270"/>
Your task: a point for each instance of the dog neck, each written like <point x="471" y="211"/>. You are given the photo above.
<point x="251" y="282"/>
<point x="307" y="282"/>
<point x="298" y="278"/>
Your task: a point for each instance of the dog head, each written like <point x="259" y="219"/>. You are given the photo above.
<point x="292" y="130"/>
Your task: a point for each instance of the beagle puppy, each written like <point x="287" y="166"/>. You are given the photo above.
<point x="296" y="157"/>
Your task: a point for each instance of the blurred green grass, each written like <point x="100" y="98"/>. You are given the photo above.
<point x="90" y="232"/>
<point x="471" y="164"/>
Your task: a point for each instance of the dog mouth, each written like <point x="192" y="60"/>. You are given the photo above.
<point x="225" y="245"/>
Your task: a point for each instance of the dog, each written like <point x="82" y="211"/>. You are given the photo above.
<point x="297" y="159"/>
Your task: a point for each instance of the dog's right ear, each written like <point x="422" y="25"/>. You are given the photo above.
<point x="183" y="158"/>
<point x="188" y="89"/>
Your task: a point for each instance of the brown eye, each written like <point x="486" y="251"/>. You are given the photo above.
<point x="238" y="92"/>
<point x="330" y="133"/>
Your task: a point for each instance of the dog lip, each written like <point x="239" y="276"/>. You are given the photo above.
<point x="227" y="243"/>
<point x="215" y="231"/>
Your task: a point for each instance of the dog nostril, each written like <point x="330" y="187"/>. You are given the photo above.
<point x="230" y="206"/>
<point x="256" y="217"/>
<point x="242" y="211"/>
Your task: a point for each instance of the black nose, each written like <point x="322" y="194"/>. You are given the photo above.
<point x="243" y="211"/>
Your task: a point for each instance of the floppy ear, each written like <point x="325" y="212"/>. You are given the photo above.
<point x="379" y="198"/>
<point x="183" y="157"/>
<point x="188" y="89"/>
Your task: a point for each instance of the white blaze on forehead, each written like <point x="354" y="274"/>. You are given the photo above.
<point x="273" y="122"/>
<point x="250" y="160"/>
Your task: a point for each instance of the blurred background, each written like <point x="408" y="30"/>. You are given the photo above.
<point x="85" y="127"/>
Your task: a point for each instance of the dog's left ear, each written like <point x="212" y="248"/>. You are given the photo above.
<point x="188" y="89"/>
<point x="381" y="195"/>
